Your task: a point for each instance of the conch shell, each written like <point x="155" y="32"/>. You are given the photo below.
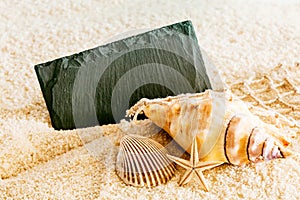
<point x="226" y="131"/>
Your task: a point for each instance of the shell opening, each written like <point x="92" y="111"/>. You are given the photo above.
<point x="139" y="111"/>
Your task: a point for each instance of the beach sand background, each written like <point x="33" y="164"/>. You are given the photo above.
<point x="245" y="41"/>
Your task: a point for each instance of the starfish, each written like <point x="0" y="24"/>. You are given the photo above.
<point x="194" y="166"/>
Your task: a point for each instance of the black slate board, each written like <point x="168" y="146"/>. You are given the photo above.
<point x="97" y="86"/>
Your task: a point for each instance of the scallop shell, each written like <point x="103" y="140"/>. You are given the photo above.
<point x="143" y="162"/>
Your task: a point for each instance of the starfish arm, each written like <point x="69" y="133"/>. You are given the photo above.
<point x="181" y="162"/>
<point x="186" y="177"/>
<point x="202" y="179"/>
<point x="194" y="152"/>
<point x="194" y="165"/>
<point x="207" y="165"/>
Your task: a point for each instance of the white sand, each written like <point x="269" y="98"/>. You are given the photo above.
<point x="242" y="39"/>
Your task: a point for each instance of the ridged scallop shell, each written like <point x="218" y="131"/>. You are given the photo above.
<point x="143" y="162"/>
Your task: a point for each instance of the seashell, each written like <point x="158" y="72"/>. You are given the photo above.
<point x="226" y="131"/>
<point x="143" y="162"/>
